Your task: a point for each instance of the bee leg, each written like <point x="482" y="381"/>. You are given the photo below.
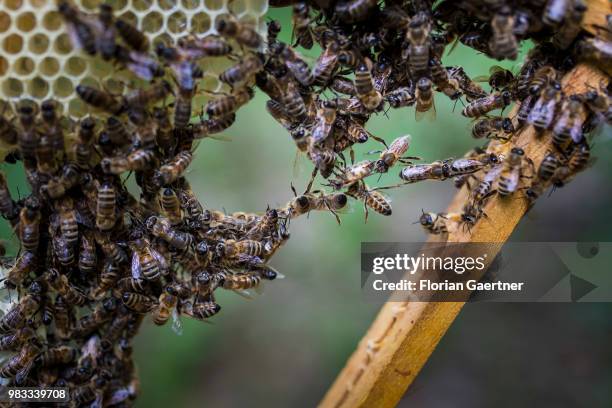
<point x="365" y="208"/>
<point x="378" y="139"/>
<point x="352" y="154"/>
<point x="312" y="179"/>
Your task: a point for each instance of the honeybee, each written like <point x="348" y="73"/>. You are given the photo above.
<point x="449" y="86"/>
<point x="244" y="33"/>
<point x="503" y="43"/>
<point x="137" y="302"/>
<point x="264" y="226"/>
<point x="364" y="86"/>
<point x="8" y="209"/>
<point x="597" y="50"/>
<point x="239" y="249"/>
<point x="316" y="201"/>
<point x="512" y="172"/>
<point x="228" y="104"/>
<point x="599" y="103"/>
<point x="543" y="112"/>
<point x="109" y="275"/>
<point x="24" y="265"/>
<point x="492" y="127"/>
<point x="353" y="11"/>
<point x="438" y="223"/>
<point x="23" y="360"/>
<point x="302" y="34"/>
<point x="80" y="29"/>
<point x="15" y="340"/>
<point x="69" y="293"/>
<point x="484" y="189"/>
<point x="143" y="97"/>
<point x="63" y="251"/>
<point x="498" y="78"/>
<point x="56" y="187"/>
<point x="16" y="317"/>
<point x="239" y="281"/>
<point x="420" y="172"/>
<point x="350" y="58"/>
<point x="371" y="198"/>
<point x="393" y="154"/>
<point x="133" y="37"/>
<point x="323" y="159"/>
<point x="99" y="99"/>
<point x="579" y="158"/>
<point x="403" y="96"/>
<point x="68" y="220"/>
<point x="547" y="169"/>
<point x="147" y="263"/>
<point x="325" y="65"/>
<point x="171" y="171"/>
<point x="424" y="98"/>
<point x="182" y="108"/>
<point x="162" y="228"/>
<point x="326" y="116"/>
<point x="569" y="124"/>
<point x="524" y="110"/>
<point x="344" y="85"/>
<point x="485" y="105"/>
<point x="241" y="73"/>
<point x="101" y="314"/>
<point x="8" y="131"/>
<point x="166" y="303"/>
<point x="417" y="35"/>
<point x="541" y="78"/>
<point x="106" y="207"/>
<point x="171" y="206"/>
<point x="470" y="89"/>
<point x="87" y="255"/>
<point x="569" y="30"/>
<point x="92" y="390"/>
<point x="28" y="137"/>
<point x="45" y="157"/>
<point x="295" y="64"/>
<point x="294" y="103"/>
<point x="209" y="46"/>
<point x="211" y="126"/>
<point x="64" y="317"/>
<point x="57" y="355"/>
<point x="356" y="133"/>
<point x="29" y="224"/>
<point x="353" y="174"/>
<point x="273" y="30"/>
<point x="133" y="285"/>
<point x="203" y="307"/>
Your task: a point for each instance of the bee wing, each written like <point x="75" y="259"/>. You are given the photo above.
<point x="136" y="267"/>
<point x="297" y="163"/>
<point x="244" y="293"/>
<point x="177" y="325"/>
<point x="534" y="114"/>
<point x="430" y="114"/>
<point x="163" y="264"/>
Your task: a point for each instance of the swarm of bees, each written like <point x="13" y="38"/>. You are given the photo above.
<point x="95" y="260"/>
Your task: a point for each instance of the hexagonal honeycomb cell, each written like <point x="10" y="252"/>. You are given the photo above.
<point x="38" y="61"/>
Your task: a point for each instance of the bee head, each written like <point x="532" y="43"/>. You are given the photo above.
<point x="507" y="125"/>
<point x="518" y="151"/>
<point x="426" y="220"/>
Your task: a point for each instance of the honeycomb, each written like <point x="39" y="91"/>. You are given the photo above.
<point x="38" y="60"/>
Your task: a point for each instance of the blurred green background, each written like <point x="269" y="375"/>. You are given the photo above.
<point x="285" y="346"/>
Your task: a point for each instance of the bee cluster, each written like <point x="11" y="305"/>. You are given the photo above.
<point x="95" y="259"/>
